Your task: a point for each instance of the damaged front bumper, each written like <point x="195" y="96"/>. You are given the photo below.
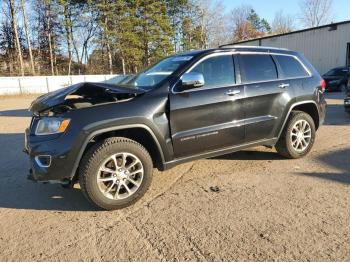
<point x="48" y="159"/>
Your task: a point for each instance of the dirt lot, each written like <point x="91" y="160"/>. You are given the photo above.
<point x="267" y="208"/>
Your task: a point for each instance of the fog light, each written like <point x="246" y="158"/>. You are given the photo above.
<point x="43" y="160"/>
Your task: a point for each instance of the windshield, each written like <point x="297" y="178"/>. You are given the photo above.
<point x="338" y="72"/>
<point x="155" y="74"/>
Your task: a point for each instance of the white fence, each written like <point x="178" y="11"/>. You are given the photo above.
<point x="44" y="84"/>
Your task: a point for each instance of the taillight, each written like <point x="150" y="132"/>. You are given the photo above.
<point x="323" y="85"/>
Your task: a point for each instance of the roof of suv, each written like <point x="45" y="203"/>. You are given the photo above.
<point x="225" y="48"/>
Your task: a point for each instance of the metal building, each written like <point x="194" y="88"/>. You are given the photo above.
<point x="326" y="46"/>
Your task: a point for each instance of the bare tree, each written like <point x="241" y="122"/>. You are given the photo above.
<point x="108" y="45"/>
<point x="214" y="23"/>
<point x="15" y="32"/>
<point x="242" y="28"/>
<point x="282" y="23"/>
<point x="83" y="29"/>
<point x="26" y="29"/>
<point x="49" y="33"/>
<point x="67" y="23"/>
<point x="316" y="12"/>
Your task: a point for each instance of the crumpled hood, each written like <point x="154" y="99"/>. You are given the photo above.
<point x="58" y="97"/>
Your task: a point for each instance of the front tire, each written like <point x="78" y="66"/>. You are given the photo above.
<point x="298" y="136"/>
<point x="115" y="173"/>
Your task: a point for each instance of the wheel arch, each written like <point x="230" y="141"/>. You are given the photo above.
<point x="138" y="132"/>
<point x="309" y="107"/>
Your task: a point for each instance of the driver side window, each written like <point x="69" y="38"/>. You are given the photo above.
<point x="218" y="71"/>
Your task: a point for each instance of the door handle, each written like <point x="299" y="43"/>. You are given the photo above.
<point x="233" y="92"/>
<point x="283" y="85"/>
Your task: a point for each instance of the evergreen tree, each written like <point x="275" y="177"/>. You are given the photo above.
<point x="260" y="25"/>
<point x="254" y="20"/>
<point x="154" y="30"/>
<point x="266" y="28"/>
<point x="177" y="11"/>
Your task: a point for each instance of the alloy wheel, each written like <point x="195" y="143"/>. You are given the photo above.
<point x="120" y="176"/>
<point x="301" y="135"/>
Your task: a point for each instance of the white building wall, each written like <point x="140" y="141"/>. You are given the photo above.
<point x="323" y="48"/>
<point x="44" y="84"/>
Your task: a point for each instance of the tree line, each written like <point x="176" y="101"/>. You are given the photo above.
<point x="65" y="37"/>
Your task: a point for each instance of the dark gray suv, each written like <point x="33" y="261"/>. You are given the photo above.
<point x="193" y="105"/>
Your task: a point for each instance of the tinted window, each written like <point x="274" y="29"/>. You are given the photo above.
<point x="257" y="68"/>
<point x="218" y="71"/>
<point x="291" y="67"/>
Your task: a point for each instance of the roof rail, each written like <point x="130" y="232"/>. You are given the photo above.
<point x="255" y="47"/>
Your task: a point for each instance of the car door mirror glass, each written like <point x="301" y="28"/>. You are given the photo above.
<point x="192" y="80"/>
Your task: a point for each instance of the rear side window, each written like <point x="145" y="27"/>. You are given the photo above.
<point x="291" y="67"/>
<point x="218" y="71"/>
<point x="256" y="68"/>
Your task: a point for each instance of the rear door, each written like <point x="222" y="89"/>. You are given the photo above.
<point x="291" y="68"/>
<point x="267" y="95"/>
<point x="209" y="117"/>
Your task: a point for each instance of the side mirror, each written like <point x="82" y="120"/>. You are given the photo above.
<point x="192" y="80"/>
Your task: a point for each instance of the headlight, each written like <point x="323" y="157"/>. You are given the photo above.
<point x="347" y="102"/>
<point x="51" y="125"/>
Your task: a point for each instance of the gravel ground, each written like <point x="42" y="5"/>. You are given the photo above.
<point x="265" y="207"/>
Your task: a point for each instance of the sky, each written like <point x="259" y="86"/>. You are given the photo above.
<point x="268" y="8"/>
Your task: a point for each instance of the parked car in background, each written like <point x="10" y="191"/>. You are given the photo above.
<point x="347" y="103"/>
<point x="337" y="79"/>
<point x="189" y="106"/>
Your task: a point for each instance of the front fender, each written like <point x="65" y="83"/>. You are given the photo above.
<point x="148" y="113"/>
<point x="90" y="135"/>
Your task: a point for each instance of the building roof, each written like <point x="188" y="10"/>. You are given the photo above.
<point x="332" y="25"/>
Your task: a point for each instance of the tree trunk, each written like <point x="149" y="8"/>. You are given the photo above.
<point x="49" y="37"/>
<point x="51" y="54"/>
<point x="54" y="55"/>
<point x="110" y="61"/>
<point x="26" y="29"/>
<point x="123" y="65"/>
<point x="17" y="43"/>
<point x="75" y="47"/>
<point x="39" y="54"/>
<point x="68" y="37"/>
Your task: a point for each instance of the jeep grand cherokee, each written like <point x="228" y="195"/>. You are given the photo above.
<point x="192" y="105"/>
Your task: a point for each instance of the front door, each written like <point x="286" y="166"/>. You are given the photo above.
<point x="209" y="117"/>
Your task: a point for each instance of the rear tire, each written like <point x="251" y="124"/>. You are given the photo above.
<point x="115" y="173"/>
<point x="298" y="136"/>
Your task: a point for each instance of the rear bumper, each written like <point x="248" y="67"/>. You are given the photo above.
<point x="322" y="108"/>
